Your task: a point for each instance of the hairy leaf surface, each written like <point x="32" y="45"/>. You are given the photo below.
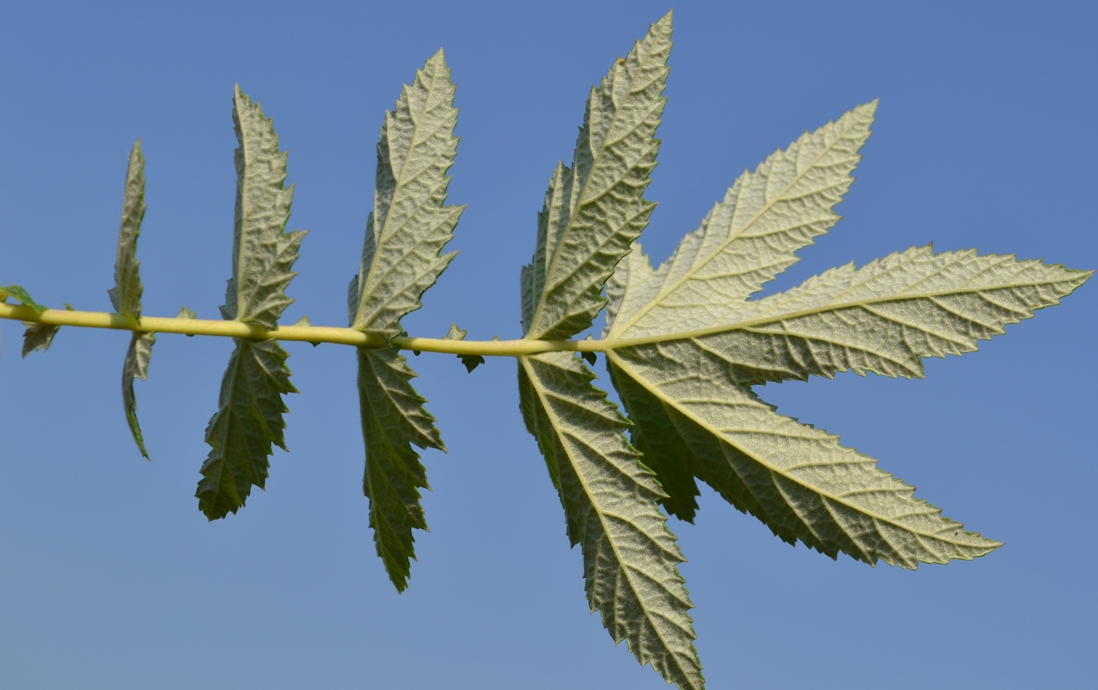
<point x="126" y="293"/>
<point x="629" y="555"/>
<point x="127" y="290"/>
<point x="401" y="258"/>
<point x="249" y="416"/>
<point x="136" y="365"/>
<point x="393" y="418"/>
<point x="411" y="221"/>
<point x="263" y="253"/>
<point x="687" y="344"/>
<point x="248" y="421"/>
<point x="595" y="209"/>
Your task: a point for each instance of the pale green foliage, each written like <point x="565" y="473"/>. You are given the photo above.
<point x="38" y="336"/>
<point x="401" y="258"/>
<point x="592" y="214"/>
<point x="594" y="210"/>
<point x="629" y="555"/>
<point x="684" y="344"/>
<point x="249" y="417"/>
<point x="687" y="344"/>
<point x="126" y="293"/>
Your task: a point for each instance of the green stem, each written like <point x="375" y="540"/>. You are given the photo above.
<point x="310" y="334"/>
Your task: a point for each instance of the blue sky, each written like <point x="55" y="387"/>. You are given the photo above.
<point x="111" y="578"/>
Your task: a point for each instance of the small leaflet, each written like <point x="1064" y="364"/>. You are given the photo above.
<point x="470" y="361"/>
<point x="20" y="294"/>
<point x="38" y="336"/>
<point x="136" y="366"/>
<point x="249" y="420"/>
<point x="126" y="293"/>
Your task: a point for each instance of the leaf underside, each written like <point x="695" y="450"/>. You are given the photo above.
<point x="38" y="336"/>
<point x="126" y="293"/>
<point x="19" y="293"/>
<point x="247" y="423"/>
<point x="136" y="365"/>
<point x="393" y="418"/>
<point x="608" y="496"/>
<point x="687" y="345"/>
<point x="249" y="417"/>
<point x="401" y="258"/>
<point x="593" y="211"/>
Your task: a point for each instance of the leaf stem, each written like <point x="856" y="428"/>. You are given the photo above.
<point x="310" y="334"/>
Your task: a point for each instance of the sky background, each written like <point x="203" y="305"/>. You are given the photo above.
<point x="110" y="577"/>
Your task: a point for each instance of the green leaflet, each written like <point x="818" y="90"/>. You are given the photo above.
<point x="687" y="345"/>
<point x="249" y="416"/>
<point x="594" y="210"/>
<point x="401" y="258"/>
<point x="748" y="238"/>
<point x="263" y="254"/>
<point x="136" y="365"/>
<point x="592" y="214"/>
<point x="22" y="295"/>
<point x="411" y="221"/>
<point x="247" y="422"/>
<point x="38" y="336"/>
<point x="393" y="418"/>
<point x="629" y="554"/>
<point x="126" y="293"/>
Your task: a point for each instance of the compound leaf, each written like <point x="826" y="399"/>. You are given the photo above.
<point x="401" y="258"/>
<point x="629" y="554"/>
<point x="248" y="421"/>
<point x="249" y="417"/>
<point x="595" y="209"/>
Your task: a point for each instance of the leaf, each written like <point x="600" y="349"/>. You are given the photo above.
<point x="685" y="345"/>
<point x="401" y="258"/>
<point x="592" y="213"/>
<point x="38" y="336"/>
<point x="22" y="295"/>
<point x="136" y="365"/>
<point x="263" y="254"/>
<point x="629" y="555"/>
<point x="411" y="222"/>
<point x="249" y="417"/>
<point x="594" y="210"/>
<point x="185" y="313"/>
<point x="748" y="238"/>
<point x="248" y="421"/>
<point x="393" y="418"/>
<point x="470" y="361"/>
<point x="126" y="293"/>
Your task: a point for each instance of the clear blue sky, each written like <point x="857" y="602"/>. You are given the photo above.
<point x="111" y="578"/>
